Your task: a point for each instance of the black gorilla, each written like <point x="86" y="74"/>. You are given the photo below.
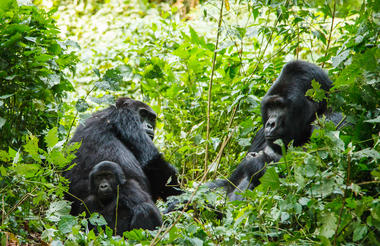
<point x="122" y="134"/>
<point x="131" y="208"/>
<point x="287" y="115"/>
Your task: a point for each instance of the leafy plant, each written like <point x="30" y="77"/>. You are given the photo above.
<point x="326" y="192"/>
<point x="33" y="68"/>
<point x="29" y="181"/>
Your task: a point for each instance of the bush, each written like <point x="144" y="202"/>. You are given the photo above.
<point x="33" y="64"/>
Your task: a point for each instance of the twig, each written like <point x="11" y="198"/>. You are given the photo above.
<point x="19" y="202"/>
<point x="210" y="84"/>
<point x="226" y="138"/>
<point x="76" y="115"/>
<point x="369" y="182"/>
<point x="59" y="188"/>
<point x="3" y="210"/>
<point x="267" y="43"/>
<point x="331" y="30"/>
<point x="116" y="209"/>
<point x="158" y="237"/>
<point x="344" y="196"/>
<point x="341" y="122"/>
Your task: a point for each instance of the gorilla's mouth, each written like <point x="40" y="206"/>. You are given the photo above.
<point x="272" y="138"/>
<point x="150" y="134"/>
<point x="105" y="197"/>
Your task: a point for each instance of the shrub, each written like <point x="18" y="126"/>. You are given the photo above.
<point x="33" y="64"/>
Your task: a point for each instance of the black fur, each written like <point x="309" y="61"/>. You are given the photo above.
<point x="288" y="115"/>
<point x="117" y="134"/>
<point x="134" y="208"/>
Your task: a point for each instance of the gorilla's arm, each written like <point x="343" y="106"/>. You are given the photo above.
<point x="258" y="141"/>
<point x="144" y="214"/>
<point x="258" y="144"/>
<point x="158" y="171"/>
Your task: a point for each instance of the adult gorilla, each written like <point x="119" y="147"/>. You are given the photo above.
<point x="288" y="115"/>
<point x="122" y="134"/>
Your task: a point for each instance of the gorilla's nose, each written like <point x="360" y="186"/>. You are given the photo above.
<point x="103" y="187"/>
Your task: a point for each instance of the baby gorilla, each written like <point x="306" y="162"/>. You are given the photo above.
<point x="130" y="209"/>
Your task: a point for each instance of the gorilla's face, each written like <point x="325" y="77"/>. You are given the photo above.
<point x="148" y="120"/>
<point x="274" y="112"/>
<point x="105" y="183"/>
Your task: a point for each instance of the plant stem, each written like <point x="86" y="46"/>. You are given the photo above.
<point x="344" y="196"/>
<point x="210" y="84"/>
<point x="158" y="237"/>
<point x="116" y="209"/>
<point x="331" y="30"/>
<point x="76" y="115"/>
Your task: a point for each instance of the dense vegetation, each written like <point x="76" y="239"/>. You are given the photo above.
<point x="204" y="74"/>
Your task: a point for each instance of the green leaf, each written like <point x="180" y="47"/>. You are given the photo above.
<point x="284" y="216"/>
<point x="334" y="137"/>
<point x="3" y="171"/>
<point x="111" y="80"/>
<point x="359" y="232"/>
<point x="96" y="71"/>
<point x="97" y="220"/>
<point x="336" y="61"/>
<point x="12" y="40"/>
<point x="367" y="153"/>
<point x="173" y="234"/>
<point x="31" y="39"/>
<point x="5" y="5"/>
<point x="375" y="120"/>
<point x="196" y="241"/>
<point x="328" y="225"/>
<point x="57" y="158"/>
<point x="66" y="223"/>
<point x="270" y="179"/>
<point x="2" y="122"/>
<point x="31" y="147"/>
<point x="43" y="58"/>
<point x="51" y="138"/>
<point x="6" y="96"/>
<point x="27" y="170"/>
<point x="244" y="142"/>
<point x="136" y="234"/>
<point x="57" y="210"/>
<point x="81" y="105"/>
<point x="194" y="36"/>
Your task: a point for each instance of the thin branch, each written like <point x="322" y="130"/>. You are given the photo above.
<point x="261" y="54"/>
<point x="210" y="84"/>
<point x="61" y="189"/>
<point x="76" y="115"/>
<point x="3" y="210"/>
<point x="369" y="182"/>
<point x="19" y="202"/>
<point x="116" y="209"/>
<point x="331" y="30"/>
<point x="159" y="237"/>
<point x="226" y="139"/>
<point x="344" y="196"/>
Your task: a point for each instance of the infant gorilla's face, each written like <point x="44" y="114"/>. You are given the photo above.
<point x="105" y="183"/>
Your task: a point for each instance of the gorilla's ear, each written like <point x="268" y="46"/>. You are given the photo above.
<point x="120" y="176"/>
<point x="313" y="108"/>
<point x="91" y="184"/>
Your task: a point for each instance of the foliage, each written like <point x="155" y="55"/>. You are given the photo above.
<point x="326" y="192"/>
<point x="29" y="181"/>
<point x="33" y="64"/>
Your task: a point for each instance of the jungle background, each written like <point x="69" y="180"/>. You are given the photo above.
<point x="203" y="67"/>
